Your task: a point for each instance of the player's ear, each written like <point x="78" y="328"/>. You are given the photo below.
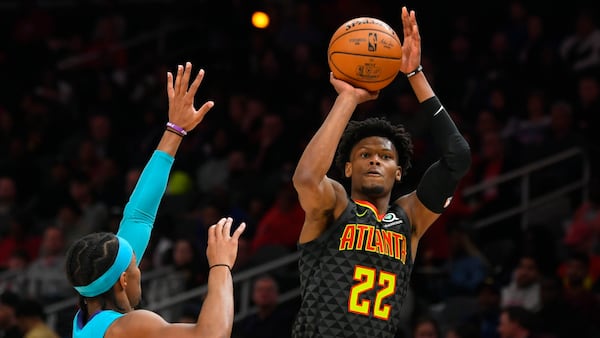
<point x="348" y="169"/>
<point x="123" y="280"/>
<point x="399" y="174"/>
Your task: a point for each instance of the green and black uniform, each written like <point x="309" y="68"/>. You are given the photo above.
<point x="355" y="276"/>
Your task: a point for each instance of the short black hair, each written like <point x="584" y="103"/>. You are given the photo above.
<point x="520" y="315"/>
<point x="491" y="284"/>
<point x="89" y="258"/>
<point x="30" y="308"/>
<point x="10" y="298"/>
<point x="375" y="126"/>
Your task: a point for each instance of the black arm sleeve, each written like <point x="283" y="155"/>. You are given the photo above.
<point x="439" y="182"/>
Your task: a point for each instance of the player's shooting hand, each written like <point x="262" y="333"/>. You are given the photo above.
<point x="181" y="98"/>
<point x="222" y="245"/>
<point x="359" y="94"/>
<point x="411" y="45"/>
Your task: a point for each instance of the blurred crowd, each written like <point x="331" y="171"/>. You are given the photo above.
<point x="84" y="103"/>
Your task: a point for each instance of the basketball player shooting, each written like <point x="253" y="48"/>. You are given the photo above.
<point x="358" y="246"/>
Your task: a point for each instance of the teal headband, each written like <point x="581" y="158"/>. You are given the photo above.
<point x="111" y="276"/>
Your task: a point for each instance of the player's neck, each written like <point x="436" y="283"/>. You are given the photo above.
<point x="381" y="204"/>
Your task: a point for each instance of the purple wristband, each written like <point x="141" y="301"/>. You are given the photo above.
<point x="176" y="128"/>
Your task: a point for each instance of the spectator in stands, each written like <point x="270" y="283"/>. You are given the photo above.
<point x="577" y="284"/>
<point x="21" y="235"/>
<point x="488" y="309"/>
<point x="527" y="133"/>
<point x="582" y="232"/>
<point x="8" y="201"/>
<point x="9" y="328"/>
<point x="463" y="330"/>
<point x="467" y="267"/>
<point x="516" y="322"/>
<point x="524" y="287"/>
<point x="538" y="56"/>
<point x="14" y="277"/>
<point x="107" y="184"/>
<point x="426" y="327"/>
<point x="54" y="190"/>
<point x="69" y="220"/>
<point x="94" y="214"/>
<point x="187" y="271"/>
<point x="186" y="258"/>
<point x="213" y="172"/>
<point x="272" y="319"/>
<point x="580" y="48"/>
<point x="560" y="135"/>
<point x="32" y="320"/>
<point x="46" y="274"/>
<point x="587" y="120"/>
<point x="270" y="152"/>
<point x="559" y="318"/>
<point x="495" y="158"/>
<point x="281" y="224"/>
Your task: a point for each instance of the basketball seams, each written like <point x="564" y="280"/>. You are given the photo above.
<point x="393" y="36"/>
<point x="393" y="58"/>
<point x="390" y="77"/>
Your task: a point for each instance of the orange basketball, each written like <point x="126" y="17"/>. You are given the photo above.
<point x="365" y="52"/>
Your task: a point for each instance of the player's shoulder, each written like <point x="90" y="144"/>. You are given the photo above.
<point x="135" y="323"/>
<point x="407" y="201"/>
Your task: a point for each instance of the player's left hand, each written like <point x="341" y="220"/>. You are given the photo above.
<point x="411" y="46"/>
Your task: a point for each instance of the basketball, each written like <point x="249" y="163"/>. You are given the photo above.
<point x="365" y="52"/>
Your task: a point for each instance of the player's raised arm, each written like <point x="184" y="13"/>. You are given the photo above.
<point x="318" y="194"/>
<point x="437" y="185"/>
<point x="103" y="267"/>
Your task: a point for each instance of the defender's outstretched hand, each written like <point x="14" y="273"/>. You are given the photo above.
<point x="222" y="245"/>
<point x="181" y="98"/>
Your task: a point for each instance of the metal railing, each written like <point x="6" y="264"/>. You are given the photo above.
<point x="524" y="175"/>
<point x="154" y="40"/>
<point x="243" y="280"/>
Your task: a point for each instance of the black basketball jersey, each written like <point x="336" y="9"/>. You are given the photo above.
<point x="355" y="276"/>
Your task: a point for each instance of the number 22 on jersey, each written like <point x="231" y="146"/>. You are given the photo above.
<point x="368" y="279"/>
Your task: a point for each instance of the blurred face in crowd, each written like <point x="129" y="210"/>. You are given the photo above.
<point x="265" y="292"/>
<point x="53" y="242"/>
<point x="489" y="300"/>
<point x="6" y="316"/>
<point x="492" y="146"/>
<point x="8" y="190"/>
<point x="527" y="272"/>
<point x="183" y="253"/>
<point x="576" y="271"/>
<point x="506" y="327"/>
<point x="425" y="329"/>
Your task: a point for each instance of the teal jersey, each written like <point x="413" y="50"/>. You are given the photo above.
<point x="97" y="325"/>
